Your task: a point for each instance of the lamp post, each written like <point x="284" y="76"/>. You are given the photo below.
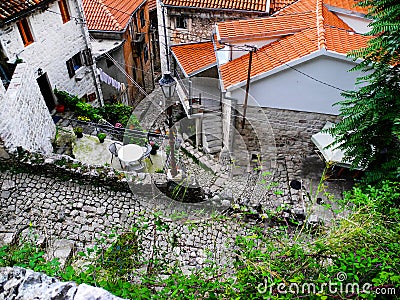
<point x="168" y="87"/>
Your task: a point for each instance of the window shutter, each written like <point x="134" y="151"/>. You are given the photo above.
<point x="70" y="67"/>
<point x="87" y="56"/>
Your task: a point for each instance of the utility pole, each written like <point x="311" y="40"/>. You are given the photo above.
<point x="253" y="49"/>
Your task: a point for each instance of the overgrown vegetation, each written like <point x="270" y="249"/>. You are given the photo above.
<point x="113" y="113"/>
<point x="357" y="258"/>
<point x="370" y="128"/>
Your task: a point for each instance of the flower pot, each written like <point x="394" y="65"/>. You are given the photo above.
<point x="153" y="151"/>
<point x="101" y="140"/>
<point x="60" y="108"/>
<point x="79" y="135"/>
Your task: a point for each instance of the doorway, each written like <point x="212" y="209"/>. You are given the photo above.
<point x="47" y="91"/>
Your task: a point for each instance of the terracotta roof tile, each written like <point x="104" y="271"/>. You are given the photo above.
<point x="152" y="4"/>
<point x="264" y="27"/>
<point x="109" y="15"/>
<point x="309" y="26"/>
<point x="194" y="57"/>
<point x="343" y="41"/>
<point x="277" y="5"/>
<point x="300" y="6"/>
<point x="247" y="5"/>
<point x="10" y="9"/>
<point x="347" y="4"/>
<point x="288" y="49"/>
<point x="270" y="56"/>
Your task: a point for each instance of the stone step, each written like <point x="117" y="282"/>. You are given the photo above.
<point x="213" y="124"/>
<point x="212" y="150"/>
<point x="213" y="137"/>
<point x="211" y="144"/>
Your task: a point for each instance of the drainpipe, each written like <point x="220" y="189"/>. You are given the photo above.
<point x="165" y="37"/>
<point x="81" y="16"/>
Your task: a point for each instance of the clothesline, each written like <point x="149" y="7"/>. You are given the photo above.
<point x="104" y="77"/>
<point x="120" y="86"/>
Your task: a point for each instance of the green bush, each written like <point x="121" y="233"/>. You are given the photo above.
<point x="113" y="113"/>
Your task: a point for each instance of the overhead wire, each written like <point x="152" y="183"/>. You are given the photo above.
<point x="238" y="49"/>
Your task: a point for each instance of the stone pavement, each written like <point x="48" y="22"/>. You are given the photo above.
<point x="64" y="209"/>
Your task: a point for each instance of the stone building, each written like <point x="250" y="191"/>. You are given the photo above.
<point x="299" y="67"/>
<point x="43" y="45"/>
<point x="193" y="21"/>
<point x="120" y="31"/>
<point x="51" y="38"/>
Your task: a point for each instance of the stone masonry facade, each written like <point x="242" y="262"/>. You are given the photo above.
<point x="54" y="43"/>
<point x="24" y="118"/>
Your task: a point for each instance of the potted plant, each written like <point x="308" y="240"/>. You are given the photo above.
<point x="154" y="148"/>
<point x="101" y="136"/>
<point x="78" y="132"/>
<point x="60" y="108"/>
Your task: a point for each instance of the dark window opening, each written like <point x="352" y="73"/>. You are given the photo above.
<point x="181" y="22"/>
<point x="109" y="63"/>
<point x="142" y="19"/>
<point x="25" y="32"/>
<point x="74" y="64"/>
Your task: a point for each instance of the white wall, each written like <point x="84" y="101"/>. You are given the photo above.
<point x="54" y="43"/>
<point x="289" y="89"/>
<point x="358" y="23"/>
<point x="24" y="118"/>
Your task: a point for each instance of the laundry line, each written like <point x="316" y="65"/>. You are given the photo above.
<point x="120" y="86"/>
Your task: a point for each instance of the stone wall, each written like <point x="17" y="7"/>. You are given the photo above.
<point x="54" y="43"/>
<point x="24" y="118"/>
<point x="200" y="23"/>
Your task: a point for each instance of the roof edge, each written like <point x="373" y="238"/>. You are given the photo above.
<point x="216" y="9"/>
<point x="25" y="12"/>
<point x="346" y="11"/>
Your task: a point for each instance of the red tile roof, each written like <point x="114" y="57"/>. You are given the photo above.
<point x="328" y="32"/>
<point x="109" y="15"/>
<point x="279" y="25"/>
<point x="283" y="51"/>
<point x="264" y="27"/>
<point x="194" y="57"/>
<point x="279" y="4"/>
<point x="247" y="5"/>
<point x="10" y="9"/>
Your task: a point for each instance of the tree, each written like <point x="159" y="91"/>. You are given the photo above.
<point x="369" y="129"/>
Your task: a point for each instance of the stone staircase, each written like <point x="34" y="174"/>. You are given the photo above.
<point x="212" y="132"/>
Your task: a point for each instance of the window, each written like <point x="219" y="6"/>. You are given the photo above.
<point x="181" y="22"/>
<point x="64" y="11"/>
<point x="145" y="53"/>
<point x="109" y="63"/>
<point x="142" y="19"/>
<point x="77" y="61"/>
<point x="74" y="64"/>
<point x="25" y="32"/>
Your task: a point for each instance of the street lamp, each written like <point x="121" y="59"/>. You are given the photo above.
<point x="168" y="87"/>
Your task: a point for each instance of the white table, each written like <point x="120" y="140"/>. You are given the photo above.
<point x="130" y="153"/>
